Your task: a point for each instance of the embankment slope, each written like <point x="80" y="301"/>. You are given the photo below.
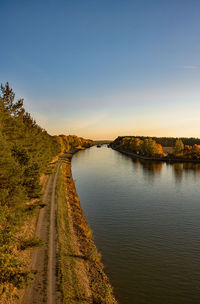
<point x="81" y="275"/>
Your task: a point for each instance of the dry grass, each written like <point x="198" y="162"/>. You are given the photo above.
<point x="74" y="282"/>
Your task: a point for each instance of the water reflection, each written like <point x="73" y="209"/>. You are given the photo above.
<point x="145" y="221"/>
<point x="178" y="172"/>
<point x="154" y="168"/>
<point x="185" y="170"/>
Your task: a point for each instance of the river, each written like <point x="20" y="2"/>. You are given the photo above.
<point x="145" y="218"/>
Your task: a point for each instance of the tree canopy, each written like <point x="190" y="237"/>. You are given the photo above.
<point x="178" y="147"/>
<point x="26" y="151"/>
<point x="147" y="147"/>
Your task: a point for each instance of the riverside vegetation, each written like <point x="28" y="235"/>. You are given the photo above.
<point x="26" y="156"/>
<point x="153" y="147"/>
<point x="25" y="153"/>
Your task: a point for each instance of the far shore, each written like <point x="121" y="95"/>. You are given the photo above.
<point x="162" y="159"/>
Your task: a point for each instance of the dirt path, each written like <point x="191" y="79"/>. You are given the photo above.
<point x="52" y="294"/>
<point x="43" y="289"/>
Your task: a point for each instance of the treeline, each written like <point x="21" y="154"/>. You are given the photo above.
<point x="151" y="148"/>
<point x="186" y="151"/>
<point x="147" y="146"/>
<point x="73" y="142"/>
<point x="26" y="151"/>
<point x="168" y="141"/>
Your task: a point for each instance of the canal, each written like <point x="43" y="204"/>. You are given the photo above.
<point x="145" y="218"/>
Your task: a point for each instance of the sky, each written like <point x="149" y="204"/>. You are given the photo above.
<point x="104" y="68"/>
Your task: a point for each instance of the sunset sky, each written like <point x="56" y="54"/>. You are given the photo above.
<point x="103" y="68"/>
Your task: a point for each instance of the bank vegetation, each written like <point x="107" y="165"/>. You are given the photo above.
<point x="152" y="148"/>
<point x="81" y="275"/>
<point x="27" y="152"/>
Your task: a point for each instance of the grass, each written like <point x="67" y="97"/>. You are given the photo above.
<point x="80" y="271"/>
<point x="69" y="281"/>
<point x="31" y="243"/>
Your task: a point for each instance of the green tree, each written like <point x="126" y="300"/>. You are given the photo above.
<point x="178" y="148"/>
<point x="149" y="147"/>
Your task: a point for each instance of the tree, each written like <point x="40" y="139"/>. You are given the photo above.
<point x="178" y="148"/>
<point x="8" y="99"/>
<point x="151" y="148"/>
<point x="135" y="144"/>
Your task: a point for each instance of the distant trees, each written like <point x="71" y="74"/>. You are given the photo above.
<point x="150" y="147"/>
<point x="188" y="152"/>
<point x="167" y="141"/>
<point x="196" y="149"/>
<point x="73" y="142"/>
<point x="147" y="147"/>
<point x="192" y="152"/>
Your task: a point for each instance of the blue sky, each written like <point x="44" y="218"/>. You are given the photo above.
<point x="105" y="68"/>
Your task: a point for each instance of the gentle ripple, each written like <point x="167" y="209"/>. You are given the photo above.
<point x="145" y="221"/>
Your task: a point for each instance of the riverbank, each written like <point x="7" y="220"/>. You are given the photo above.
<point x="161" y="159"/>
<point x="81" y="277"/>
<point x="75" y="273"/>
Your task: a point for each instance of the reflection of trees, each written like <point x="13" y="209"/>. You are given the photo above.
<point x="195" y="168"/>
<point x="185" y="168"/>
<point x="154" y="167"/>
<point x="178" y="171"/>
<point x="151" y="169"/>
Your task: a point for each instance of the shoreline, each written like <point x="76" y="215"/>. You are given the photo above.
<point x="162" y="159"/>
<point x="81" y="273"/>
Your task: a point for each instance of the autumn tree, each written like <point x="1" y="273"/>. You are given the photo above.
<point x="178" y="148"/>
<point x="151" y="148"/>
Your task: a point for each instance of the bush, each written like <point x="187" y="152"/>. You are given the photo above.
<point x="32" y="242"/>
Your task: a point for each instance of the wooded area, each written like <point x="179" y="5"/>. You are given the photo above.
<point x="147" y="146"/>
<point x="151" y="147"/>
<point x="26" y="151"/>
<point x="168" y="141"/>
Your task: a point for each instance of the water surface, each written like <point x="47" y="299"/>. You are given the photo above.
<point x="145" y="218"/>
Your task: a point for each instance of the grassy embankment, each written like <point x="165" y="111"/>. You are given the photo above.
<point x="80" y="271"/>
